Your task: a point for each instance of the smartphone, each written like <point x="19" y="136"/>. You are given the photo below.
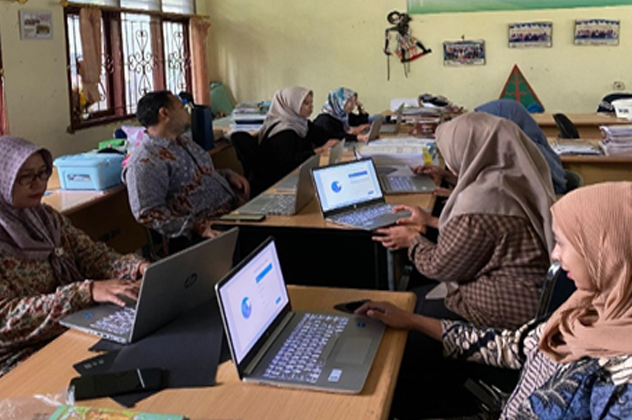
<point x="116" y="383"/>
<point x="350" y="307"/>
<point x="235" y="217"/>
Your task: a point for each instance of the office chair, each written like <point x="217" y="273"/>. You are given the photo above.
<point x="247" y="147"/>
<point x="606" y="102"/>
<point x="573" y="180"/>
<point x="567" y="130"/>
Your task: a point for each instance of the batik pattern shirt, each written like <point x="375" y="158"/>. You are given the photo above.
<point x="32" y="300"/>
<point x="585" y="389"/>
<point x="173" y="186"/>
<point x="499" y="263"/>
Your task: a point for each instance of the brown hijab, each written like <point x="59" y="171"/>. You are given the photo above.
<point x="596" y="321"/>
<point x="500" y="172"/>
<point x="285" y="113"/>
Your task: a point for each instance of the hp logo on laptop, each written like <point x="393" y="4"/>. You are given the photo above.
<point x="190" y="280"/>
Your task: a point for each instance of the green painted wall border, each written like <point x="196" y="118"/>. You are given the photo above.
<point x="455" y="6"/>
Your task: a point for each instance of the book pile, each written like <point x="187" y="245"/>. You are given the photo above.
<point x="565" y="147"/>
<point x="249" y="116"/>
<point x="617" y="140"/>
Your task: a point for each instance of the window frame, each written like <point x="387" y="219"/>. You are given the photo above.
<point x="112" y="27"/>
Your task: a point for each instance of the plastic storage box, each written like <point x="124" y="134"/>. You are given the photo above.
<point x="89" y="171"/>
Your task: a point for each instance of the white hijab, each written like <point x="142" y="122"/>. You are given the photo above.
<point x="285" y="113"/>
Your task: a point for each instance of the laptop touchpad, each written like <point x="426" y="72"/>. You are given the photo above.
<point x="353" y="351"/>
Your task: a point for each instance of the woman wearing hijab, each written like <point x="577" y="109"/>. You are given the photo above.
<point x="495" y="229"/>
<point x="287" y="137"/>
<point x="337" y="114"/>
<point x="514" y="111"/>
<point x="577" y="364"/>
<point x="48" y="268"/>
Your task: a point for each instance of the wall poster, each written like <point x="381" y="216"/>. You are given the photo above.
<point x="451" y="6"/>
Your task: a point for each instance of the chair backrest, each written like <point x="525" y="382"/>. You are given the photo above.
<point x="565" y="126"/>
<point x="246" y="147"/>
<point x="573" y="180"/>
<point x="606" y="102"/>
<point x="555" y="290"/>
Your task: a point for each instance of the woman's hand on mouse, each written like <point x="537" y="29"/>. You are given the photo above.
<point x="388" y="313"/>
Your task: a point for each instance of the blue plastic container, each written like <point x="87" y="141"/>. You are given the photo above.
<point x="89" y="171"/>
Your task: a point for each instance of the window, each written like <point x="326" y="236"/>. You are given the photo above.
<point x="145" y="47"/>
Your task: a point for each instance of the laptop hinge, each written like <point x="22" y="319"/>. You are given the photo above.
<point x="266" y="346"/>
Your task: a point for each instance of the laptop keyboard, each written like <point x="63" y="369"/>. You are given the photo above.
<point x="283" y="204"/>
<point x="299" y="360"/>
<point x="120" y="322"/>
<point x="358" y="217"/>
<point x="399" y="183"/>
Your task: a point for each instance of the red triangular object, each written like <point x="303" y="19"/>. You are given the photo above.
<point x="518" y="89"/>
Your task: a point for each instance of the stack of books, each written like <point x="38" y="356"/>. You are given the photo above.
<point x="249" y="116"/>
<point x="565" y="147"/>
<point x="617" y="140"/>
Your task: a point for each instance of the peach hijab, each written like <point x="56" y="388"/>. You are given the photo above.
<point x="285" y="113"/>
<point x="500" y="172"/>
<point x="596" y="321"/>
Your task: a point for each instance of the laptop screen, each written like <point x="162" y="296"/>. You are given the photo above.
<point x="252" y="298"/>
<point x="346" y="184"/>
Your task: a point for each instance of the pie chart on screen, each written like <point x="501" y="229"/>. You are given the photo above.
<point x="246" y="308"/>
<point x="336" y="187"/>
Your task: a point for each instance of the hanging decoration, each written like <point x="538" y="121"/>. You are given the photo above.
<point x="408" y="48"/>
<point x="518" y="89"/>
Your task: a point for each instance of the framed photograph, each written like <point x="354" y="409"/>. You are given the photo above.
<point x="530" y="34"/>
<point x="36" y="25"/>
<point x="464" y="53"/>
<point x="597" y="32"/>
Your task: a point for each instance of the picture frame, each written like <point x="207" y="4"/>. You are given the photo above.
<point x="464" y="53"/>
<point x="531" y="34"/>
<point x="597" y="32"/>
<point x="36" y="24"/>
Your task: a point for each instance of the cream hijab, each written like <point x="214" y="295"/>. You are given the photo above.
<point x="596" y="321"/>
<point x="500" y="172"/>
<point x="285" y="113"/>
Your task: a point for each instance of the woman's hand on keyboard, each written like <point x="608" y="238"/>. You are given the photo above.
<point x="109" y="291"/>
<point x="418" y="218"/>
<point x="396" y="237"/>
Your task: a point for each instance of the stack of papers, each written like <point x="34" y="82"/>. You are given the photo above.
<point x="575" y="147"/>
<point x="249" y="116"/>
<point x="617" y="140"/>
<point x="411" y="151"/>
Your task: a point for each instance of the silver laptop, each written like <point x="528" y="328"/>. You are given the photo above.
<point x="335" y="153"/>
<point x="394" y="128"/>
<point x="271" y="344"/>
<point x="285" y="204"/>
<point x="169" y="288"/>
<point x="374" y="130"/>
<point x="402" y="180"/>
<point x="349" y="193"/>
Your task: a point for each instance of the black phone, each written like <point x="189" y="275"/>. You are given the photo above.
<point x="116" y="383"/>
<point x="243" y="217"/>
<point x="350" y="307"/>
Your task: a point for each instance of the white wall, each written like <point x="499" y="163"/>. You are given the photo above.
<point x="259" y="46"/>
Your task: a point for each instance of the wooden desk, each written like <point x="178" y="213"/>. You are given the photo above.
<point x="104" y="215"/>
<point x="49" y="371"/>
<point x="315" y="252"/>
<point x="587" y="124"/>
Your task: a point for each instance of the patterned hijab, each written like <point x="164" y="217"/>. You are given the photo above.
<point x="29" y="233"/>
<point x="500" y="172"/>
<point x="336" y="101"/>
<point x="596" y="321"/>
<point x="285" y="113"/>
<point x="514" y="111"/>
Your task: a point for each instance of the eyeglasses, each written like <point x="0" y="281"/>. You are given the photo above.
<point x="28" y="179"/>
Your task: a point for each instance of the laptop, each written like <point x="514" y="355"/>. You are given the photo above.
<point x="349" y="193"/>
<point x="394" y="128"/>
<point x="401" y="179"/>
<point x="169" y="288"/>
<point x="374" y="130"/>
<point x="271" y="344"/>
<point x="335" y="153"/>
<point x="285" y="204"/>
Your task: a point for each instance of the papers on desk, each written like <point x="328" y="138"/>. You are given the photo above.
<point x="399" y="151"/>
<point x="575" y="147"/>
<point x="617" y="140"/>
<point x="249" y="116"/>
<point x="73" y="412"/>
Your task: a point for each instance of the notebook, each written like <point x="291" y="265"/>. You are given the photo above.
<point x="402" y="180"/>
<point x="285" y="204"/>
<point x="271" y="344"/>
<point x="394" y="128"/>
<point x="349" y="193"/>
<point x="169" y="287"/>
